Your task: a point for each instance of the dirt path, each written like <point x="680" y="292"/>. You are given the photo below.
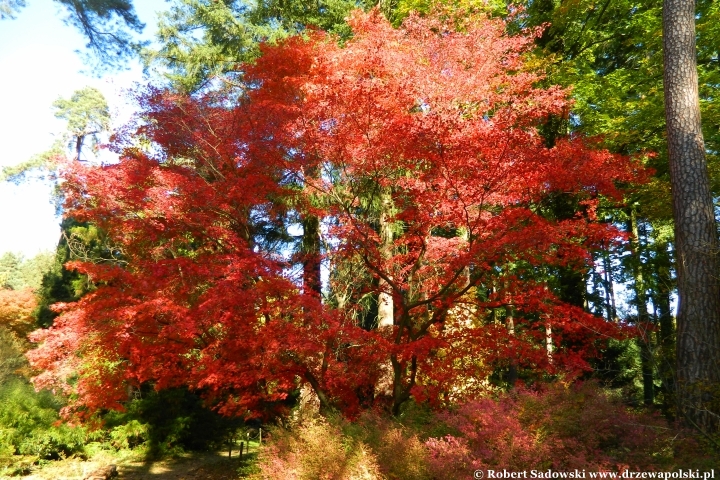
<point x="196" y="466"/>
<point x="211" y="466"/>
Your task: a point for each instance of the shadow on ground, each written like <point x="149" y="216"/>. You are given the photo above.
<point x="193" y="466"/>
<point x="210" y="466"/>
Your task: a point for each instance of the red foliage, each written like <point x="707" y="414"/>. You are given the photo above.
<point x="563" y="429"/>
<point x="443" y="121"/>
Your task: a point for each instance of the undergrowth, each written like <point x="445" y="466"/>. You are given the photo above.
<point x="560" y="428"/>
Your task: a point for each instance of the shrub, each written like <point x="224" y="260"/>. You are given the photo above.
<point x="593" y="430"/>
<point x="167" y="422"/>
<point x="29" y="423"/>
<point x="12" y="359"/>
<point x="399" y="451"/>
<point x="372" y="446"/>
<point x="316" y="449"/>
<point x="129" y="435"/>
<point x="562" y="428"/>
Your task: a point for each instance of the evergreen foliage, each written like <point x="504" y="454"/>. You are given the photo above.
<point x="168" y="422"/>
<point x="17" y="272"/>
<point x="203" y="43"/>
<point x="108" y="27"/>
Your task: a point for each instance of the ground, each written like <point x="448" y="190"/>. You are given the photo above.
<point x="205" y="466"/>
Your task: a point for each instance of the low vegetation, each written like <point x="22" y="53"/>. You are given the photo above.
<point x="559" y="427"/>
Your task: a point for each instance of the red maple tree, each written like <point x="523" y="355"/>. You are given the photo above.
<point x="418" y="149"/>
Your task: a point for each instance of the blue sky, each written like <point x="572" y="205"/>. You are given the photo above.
<point x="38" y="64"/>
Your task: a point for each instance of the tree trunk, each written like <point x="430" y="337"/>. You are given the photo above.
<point x="78" y="147"/>
<point x="391" y="372"/>
<point x="512" y="375"/>
<point x="386" y="307"/>
<point x="549" y="343"/>
<point x="698" y="335"/>
<point x="666" y="332"/>
<point x="609" y="287"/>
<point x="311" y="256"/>
<point x="643" y="321"/>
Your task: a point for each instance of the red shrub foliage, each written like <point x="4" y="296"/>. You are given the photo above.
<point x="560" y="428"/>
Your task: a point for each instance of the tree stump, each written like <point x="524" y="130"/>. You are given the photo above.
<point x="103" y="473"/>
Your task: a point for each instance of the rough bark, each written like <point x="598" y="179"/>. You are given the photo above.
<point x="698" y="335"/>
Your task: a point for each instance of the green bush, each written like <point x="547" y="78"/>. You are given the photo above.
<point x="129" y="435"/>
<point x="168" y="422"/>
<point x="29" y="424"/>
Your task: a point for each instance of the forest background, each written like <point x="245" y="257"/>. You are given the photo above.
<point x="452" y="322"/>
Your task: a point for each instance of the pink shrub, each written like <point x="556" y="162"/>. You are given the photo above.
<point x="562" y="428"/>
<point x="449" y="457"/>
<point x="490" y="435"/>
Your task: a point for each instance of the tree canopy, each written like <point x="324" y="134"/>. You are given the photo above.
<point x="428" y="132"/>
<point x="454" y="214"/>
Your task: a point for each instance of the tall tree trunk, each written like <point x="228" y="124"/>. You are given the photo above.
<point x="644" y="341"/>
<point x="597" y="283"/>
<point x="698" y="335"/>
<point x="79" y="140"/>
<point x="512" y="375"/>
<point x="549" y="342"/>
<point x="609" y="286"/>
<point x="312" y="286"/>
<point x="666" y="332"/>
<point x="392" y="372"/>
<point x="385" y="299"/>
<point x="311" y="256"/>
